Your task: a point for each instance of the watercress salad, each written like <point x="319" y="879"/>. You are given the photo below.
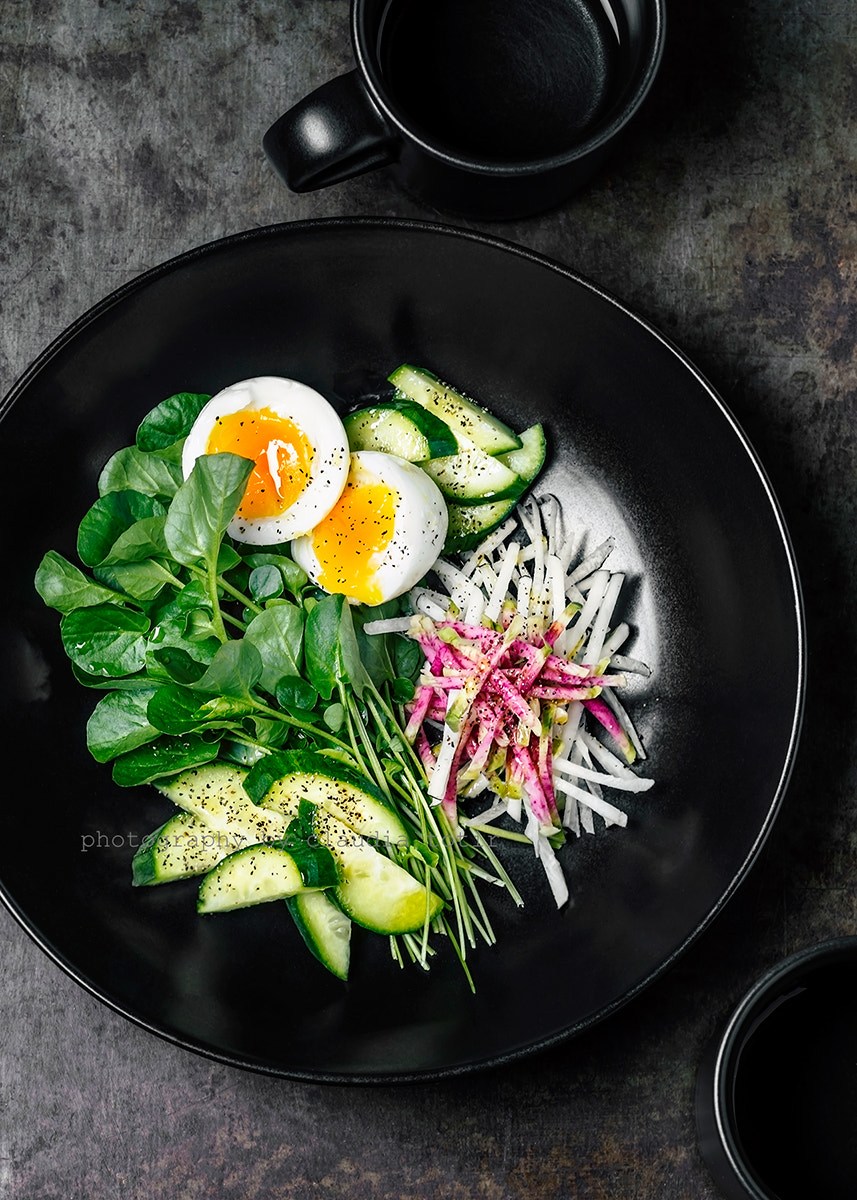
<point x="302" y="724"/>
<point x="207" y="649"/>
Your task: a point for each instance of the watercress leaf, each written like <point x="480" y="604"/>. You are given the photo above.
<point x="174" y="709"/>
<point x="331" y="652"/>
<point x="105" y="639"/>
<point x="144" y="539"/>
<point x="239" y="752"/>
<point x="204" y="505"/>
<point x="402" y="690"/>
<point x="349" y="663"/>
<point x="170" y="421"/>
<point x="373" y="648"/>
<point x="178" y="664"/>
<point x="228" y="709"/>
<point x="178" y="710"/>
<point x="193" y="596"/>
<point x="146" y="473"/>
<point x="265" y="773"/>
<point x="108" y="518"/>
<point x="316" y="864"/>
<point x="269" y="732"/>
<point x="64" y="586"/>
<point x="141" y="580"/>
<point x="266" y="583"/>
<point x="171" y="453"/>
<point x="294" y="577"/>
<point x="227" y="558"/>
<point x="234" y="671"/>
<point x="170" y="628"/>
<point x="321" y="644"/>
<point x="392" y="768"/>
<point x="422" y="853"/>
<point x="119" y="723"/>
<point x="200" y="627"/>
<point x="277" y="633"/>
<point x="295" y="694"/>
<point x="334" y="717"/>
<point x="162" y="757"/>
<point x="408" y="656"/>
<point x="109" y="683"/>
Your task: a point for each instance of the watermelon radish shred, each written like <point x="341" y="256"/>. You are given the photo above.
<point x="520" y="673"/>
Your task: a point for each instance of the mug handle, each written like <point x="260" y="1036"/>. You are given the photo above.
<point x="335" y="132"/>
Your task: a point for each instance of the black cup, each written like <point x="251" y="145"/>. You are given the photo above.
<point x="490" y="108"/>
<point x="776" y="1096"/>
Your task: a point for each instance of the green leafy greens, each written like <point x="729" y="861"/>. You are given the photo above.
<point x="210" y="649"/>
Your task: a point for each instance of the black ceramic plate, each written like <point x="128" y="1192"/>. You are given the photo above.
<point x="640" y="448"/>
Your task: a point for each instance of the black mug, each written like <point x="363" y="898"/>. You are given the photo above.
<point x="775" y="1093"/>
<point x="490" y="108"/>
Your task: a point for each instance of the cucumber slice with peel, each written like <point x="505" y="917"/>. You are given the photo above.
<point x="471" y="424"/>
<point x="400" y="427"/>
<point x="374" y="891"/>
<point x="254" y="875"/>
<point x="529" y="458"/>
<point x="470" y="523"/>
<point x="215" y="794"/>
<point x="183" y="847"/>
<point x="281" y="780"/>
<point x="325" y="928"/>
<point x="473" y="477"/>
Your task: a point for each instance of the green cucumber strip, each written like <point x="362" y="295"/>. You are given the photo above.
<point x="254" y="875"/>
<point x="374" y="891"/>
<point x="400" y="427"/>
<point x="470" y="523"/>
<point x="183" y="847"/>
<point x="470" y="422"/>
<point x="215" y="794"/>
<point x="529" y="458"/>
<point x="281" y="780"/>
<point x="473" y="477"/>
<point x="325" y="928"/>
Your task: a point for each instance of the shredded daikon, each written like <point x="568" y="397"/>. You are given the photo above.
<point x="518" y="691"/>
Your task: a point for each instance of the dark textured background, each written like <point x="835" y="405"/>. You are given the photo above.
<point x="130" y="131"/>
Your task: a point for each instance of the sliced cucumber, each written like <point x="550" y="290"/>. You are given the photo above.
<point x="304" y="775"/>
<point x="253" y="875"/>
<point x="473" y="477"/>
<point x="183" y="846"/>
<point x="215" y="794"/>
<point x="469" y="421"/>
<point x="529" y="458"/>
<point x="470" y="523"/>
<point x="400" y="427"/>
<point x="374" y="891"/>
<point x="325" y="928"/>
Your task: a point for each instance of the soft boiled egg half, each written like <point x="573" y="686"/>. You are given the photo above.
<point x="381" y="536"/>
<point x="299" y="447"/>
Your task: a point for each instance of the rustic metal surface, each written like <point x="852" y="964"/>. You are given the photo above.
<point x="129" y="132"/>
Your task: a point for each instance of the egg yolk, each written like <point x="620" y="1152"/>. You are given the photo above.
<point x="359" y="527"/>
<point x="281" y="452"/>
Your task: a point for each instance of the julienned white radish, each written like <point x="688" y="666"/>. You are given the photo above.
<point x="630" y="783"/>
<point x="521" y="673"/>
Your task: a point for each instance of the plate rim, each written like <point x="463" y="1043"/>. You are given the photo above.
<point x="139" y="283"/>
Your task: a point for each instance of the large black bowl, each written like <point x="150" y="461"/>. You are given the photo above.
<point x="640" y="447"/>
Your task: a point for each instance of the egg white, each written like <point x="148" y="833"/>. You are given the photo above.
<point x="321" y="426"/>
<point x="419" y="528"/>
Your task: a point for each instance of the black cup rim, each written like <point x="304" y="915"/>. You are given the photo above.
<point x="602" y="134"/>
<point x="718" y="1098"/>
